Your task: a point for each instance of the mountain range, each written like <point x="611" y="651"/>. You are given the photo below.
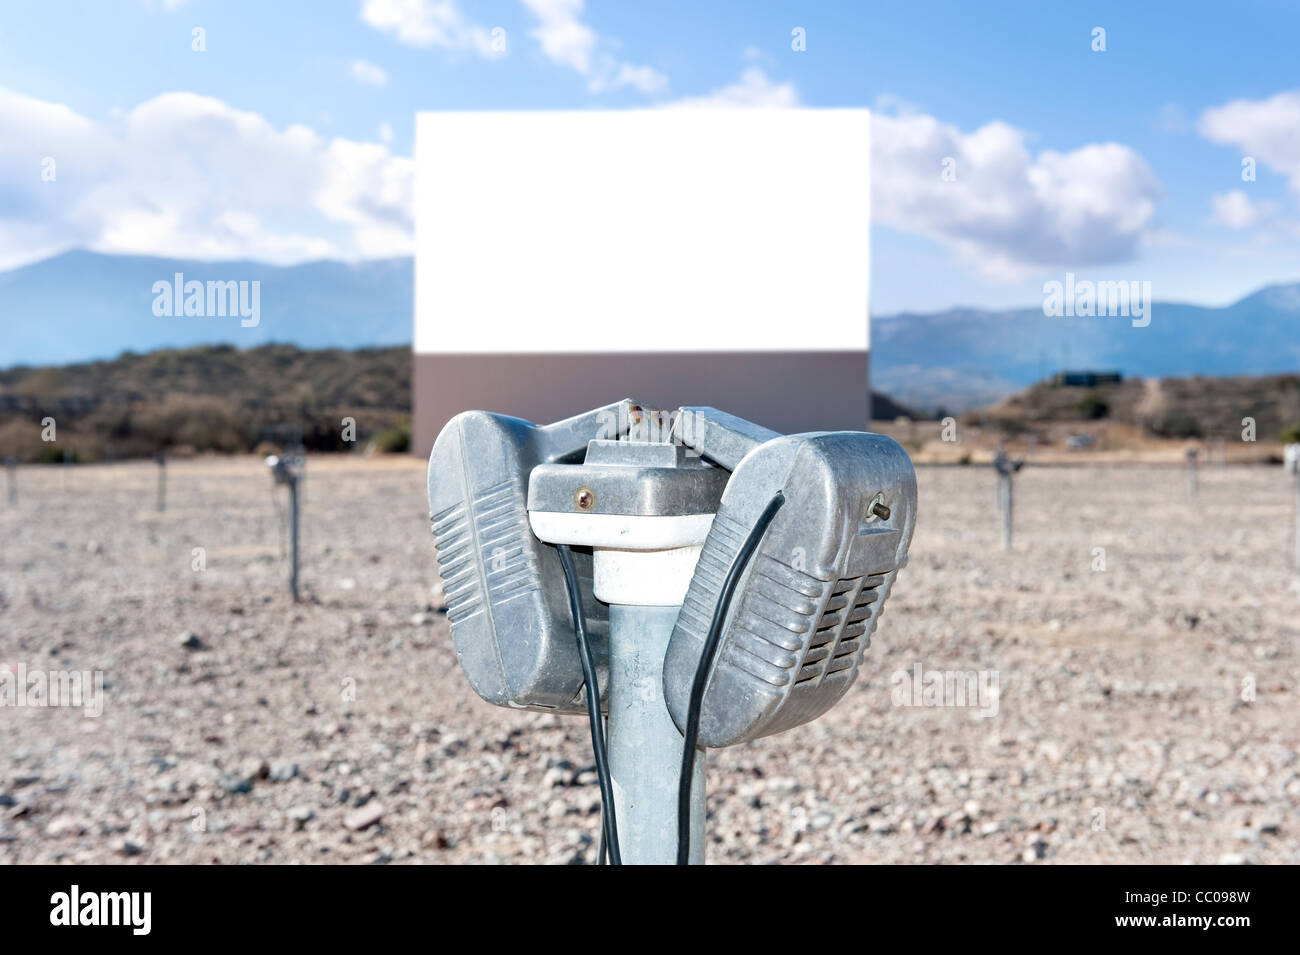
<point x="964" y="358"/>
<point x="81" y="305"/>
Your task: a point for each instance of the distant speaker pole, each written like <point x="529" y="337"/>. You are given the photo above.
<point x="1006" y="497"/>
<point x="1005" y="468"/>
<point x="293" y="538"/>
<point x="11" y="466"/>
<point x="289" y="472"/>
<point x="1293" y="468"/>
<point x="161" y="460"/>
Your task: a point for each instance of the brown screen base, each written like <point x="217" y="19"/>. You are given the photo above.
<point x="785" y="391"/>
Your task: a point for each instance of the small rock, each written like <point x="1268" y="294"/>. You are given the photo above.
<point x="128" y="848"/>
<point x="1036" y="849"/>
<point x="283" y="772"/>
<point x="364" y="818"/>
<point x="65" y="826"/>
<point x="237" y="785"/>
<point x="555" y="776"/>
<point x="300" y="816"/>
<point x="190" y="641"/>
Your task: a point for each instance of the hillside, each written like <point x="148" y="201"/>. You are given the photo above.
<point x="1147" y="421"/>
<point x="209" y="398"/>
<point x="1166" y="408"/>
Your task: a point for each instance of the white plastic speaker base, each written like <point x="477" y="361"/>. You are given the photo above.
<point x="640" y="561"/>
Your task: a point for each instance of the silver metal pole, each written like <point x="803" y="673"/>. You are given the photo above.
<point x="293" y="537"/>
<point x="11" y="465"/>
<point x="1005" y="500"/>
<point x="162" y="483"/>
<point x="1191" y="473"/>
<point x="645" y="746"/>
<point x="1297" y="524"/>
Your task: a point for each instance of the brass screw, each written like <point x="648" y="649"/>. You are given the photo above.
<point x="584" y="499"/>
<point x="880" y="510"/>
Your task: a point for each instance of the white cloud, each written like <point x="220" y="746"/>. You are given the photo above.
<point x="562" y="36"/>
<point x="189" y="175"/>
<point x="1008" y="211"/>
<point x="754" y="88"/>
<point x="1267" y="130"/>
<point x="1236" y="210"/>
<point x="569" y="42"/>
<point x="425" y="23"/>
<point x="368" y="74"/>
<point x="642" y="78"/>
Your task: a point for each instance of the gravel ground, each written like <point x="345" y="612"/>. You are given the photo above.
<point x="1146" y="711"/>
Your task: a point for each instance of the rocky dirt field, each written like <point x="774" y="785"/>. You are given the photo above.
<point x="1143" y="644"/>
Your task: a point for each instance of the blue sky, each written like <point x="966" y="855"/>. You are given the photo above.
<point x="289" y="135"/>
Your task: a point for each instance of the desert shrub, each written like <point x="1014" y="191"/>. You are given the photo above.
<point x="20" y="438"/>
<point x="201" y="421"/>
<point x="53" y="452"/>
<point x="1177" y="424"/>
<point x="1291" y="435"/>
<point x="394" y="440"/>
<point x="1093" y="406"/>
